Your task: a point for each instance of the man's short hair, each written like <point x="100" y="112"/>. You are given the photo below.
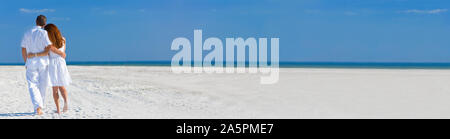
<point x="41" y="20"/>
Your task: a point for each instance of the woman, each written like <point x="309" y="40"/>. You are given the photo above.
<point x="59" y="75"/>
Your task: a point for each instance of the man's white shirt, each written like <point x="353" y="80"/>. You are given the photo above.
<point x="35" y="41"/>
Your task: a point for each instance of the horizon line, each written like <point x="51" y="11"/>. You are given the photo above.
<point x="169" y="61"/>
<point x="282" y="64"/>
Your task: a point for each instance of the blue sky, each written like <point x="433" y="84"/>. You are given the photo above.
<point x="309" y="30"/>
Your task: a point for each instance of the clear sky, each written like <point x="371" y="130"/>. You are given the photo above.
<point x="309" y="30"/>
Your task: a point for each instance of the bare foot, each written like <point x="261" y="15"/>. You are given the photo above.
<point x="39" y="111"/>
<point x="65" y="109"/>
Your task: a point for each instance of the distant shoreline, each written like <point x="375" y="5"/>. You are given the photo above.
<point x="357" y="65"/>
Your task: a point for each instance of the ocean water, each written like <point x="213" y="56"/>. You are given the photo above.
<point x="291" y="64"/>
<point x="376" y="65"/>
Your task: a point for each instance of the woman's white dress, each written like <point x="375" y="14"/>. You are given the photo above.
<point x="59" y="75"/>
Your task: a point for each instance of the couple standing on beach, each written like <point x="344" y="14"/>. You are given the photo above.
<point x="43" y="51"/>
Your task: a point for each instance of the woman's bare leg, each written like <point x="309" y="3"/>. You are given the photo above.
<point x="56" y="98"/>
<point x="39" y="111"/>
<point x="63" y="91"/>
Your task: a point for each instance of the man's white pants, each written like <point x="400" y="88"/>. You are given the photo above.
<point x="37" y="79"/>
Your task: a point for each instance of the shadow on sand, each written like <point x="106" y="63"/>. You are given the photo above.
<point x="16" y="114"/>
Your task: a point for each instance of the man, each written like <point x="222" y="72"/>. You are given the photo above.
<point x="35" y="41"/>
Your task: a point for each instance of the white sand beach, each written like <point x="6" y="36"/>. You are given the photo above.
<point x="156" y="92"/>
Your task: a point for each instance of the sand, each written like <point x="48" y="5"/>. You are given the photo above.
<point x="156" y="92"/>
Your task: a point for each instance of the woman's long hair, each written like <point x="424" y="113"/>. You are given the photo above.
<point x="54" y="35"/>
